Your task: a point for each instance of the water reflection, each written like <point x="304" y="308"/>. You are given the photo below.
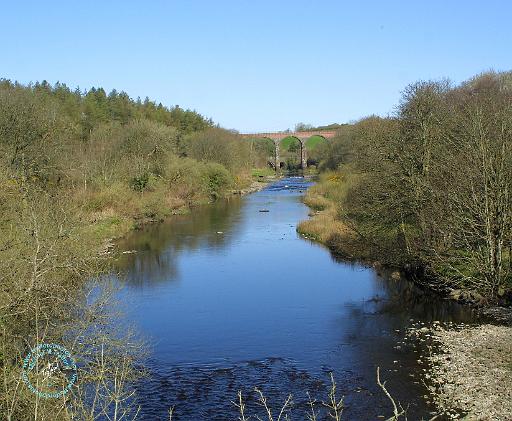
<point x="233" y="298"/>
<point x="157" y="247"/>
<point x="406" y="300"/>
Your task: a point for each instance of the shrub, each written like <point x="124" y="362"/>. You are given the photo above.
<point x="218" y="179"/>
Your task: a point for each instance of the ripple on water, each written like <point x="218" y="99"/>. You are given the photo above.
<point x="207" y="392"/>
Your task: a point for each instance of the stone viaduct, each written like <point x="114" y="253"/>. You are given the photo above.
<point x="302" y="137"/>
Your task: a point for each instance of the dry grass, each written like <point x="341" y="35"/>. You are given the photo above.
<point x="324" y="198"/>
<point x="316" y="200"/>
<point x="325" y="226"/>
<point x="331" y="408"/>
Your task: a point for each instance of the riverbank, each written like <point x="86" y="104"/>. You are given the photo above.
<point x="324" y="199"/>
<point x="171" y="278"/>
<point x="112" y="224"/>
<point x="256" y="185"/>
<point x="470" y="370"/>
<point x="327" y="226"/>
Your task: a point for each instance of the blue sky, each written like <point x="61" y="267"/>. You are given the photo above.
<point x="256" y="65"/>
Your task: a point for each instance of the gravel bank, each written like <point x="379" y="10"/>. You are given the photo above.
<point x="471" y="371"/>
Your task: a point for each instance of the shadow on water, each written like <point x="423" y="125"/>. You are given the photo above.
<point x="233" y="298"/>
<point x="158" y="246"/>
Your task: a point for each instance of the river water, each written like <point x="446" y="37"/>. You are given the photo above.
<point x="231" y="298"/>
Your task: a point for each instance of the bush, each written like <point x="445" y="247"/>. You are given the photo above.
<point x="140" y="183"/>
<point x="220" y="146"/>
<point x="218" y="179"/>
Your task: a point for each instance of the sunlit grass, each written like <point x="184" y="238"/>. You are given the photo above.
<point x="325" y="225"/>
<point x="287" y="142"/>
<point x="325" y="198"/>
<point x="314" y="141"/>
<point x="311" y="143"/>
<point x="262" y="172"/>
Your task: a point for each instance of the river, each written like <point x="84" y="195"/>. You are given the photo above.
<point x="231" y="298"/>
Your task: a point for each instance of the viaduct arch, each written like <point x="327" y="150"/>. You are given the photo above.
<point x="302" y="137"/>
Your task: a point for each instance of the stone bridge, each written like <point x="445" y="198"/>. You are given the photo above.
<point x="302" y="137"/>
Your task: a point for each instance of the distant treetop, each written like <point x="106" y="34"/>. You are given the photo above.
<point x="95" y="106"/>
<point x="303" y="127"/>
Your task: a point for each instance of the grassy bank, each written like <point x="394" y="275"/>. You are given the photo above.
<point x="331" y="224"/>
<point x="428" y="188"/>
<point x="325" y="198"/>
<point x="113" y="211"/>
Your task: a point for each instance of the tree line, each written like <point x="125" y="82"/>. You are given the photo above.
<point x="430" y="187"/>
<point x="77" y="168"/>
<point x="64" y="137"/>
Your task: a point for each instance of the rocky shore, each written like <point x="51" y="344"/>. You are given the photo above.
<point x="470" y="370"/>
<point x="256" y="186"/>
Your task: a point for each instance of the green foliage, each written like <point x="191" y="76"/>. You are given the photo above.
<point x="262" y="152"/>
<point x="221" y="146"/>
<point x="92" y="140"/>
<point x="265" y="145"/>
<point x="433" y="181"/>
<point x="218" y="179"/>
<point x="302" y="127"/>
<point x="93" y="107"/>
<point x="338" y="150"/>
<point x="140" y="183"/>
